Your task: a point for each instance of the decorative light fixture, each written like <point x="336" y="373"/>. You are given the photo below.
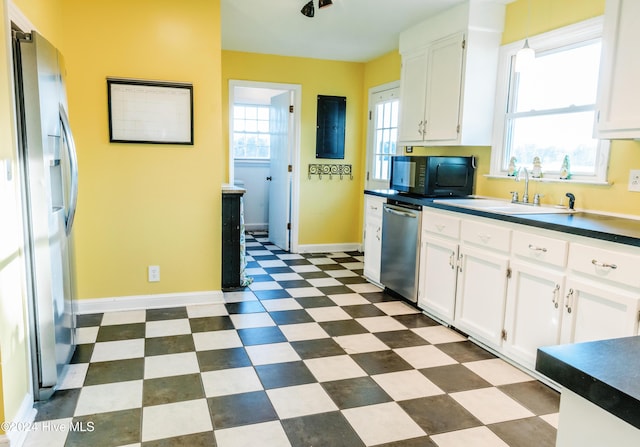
<point x="526" y="56"/>
<point x="308" y="10"/>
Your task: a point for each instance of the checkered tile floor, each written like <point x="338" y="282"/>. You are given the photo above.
<point x="309" y="355"/>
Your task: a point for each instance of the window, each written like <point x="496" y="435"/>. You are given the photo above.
<point x="385" y="133"/>
<point x="549" y="107"/>
<point x="251" y="137"/>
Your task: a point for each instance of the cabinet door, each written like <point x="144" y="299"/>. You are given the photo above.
<point x="618" y="95"/>
<point x="373" y="238"/>
<point x="595" y="312"/>
<point x="413" y="85"/>
<point x="438" y="272"/>
<point x="481" y="294"/>
<point x="534" y="310"/>
<point x="444" y="84"/>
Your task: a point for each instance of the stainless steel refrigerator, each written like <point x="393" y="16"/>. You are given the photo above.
<point x="49" y="176"/>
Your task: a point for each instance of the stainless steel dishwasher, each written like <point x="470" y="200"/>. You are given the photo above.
<point x="401" y="223"/>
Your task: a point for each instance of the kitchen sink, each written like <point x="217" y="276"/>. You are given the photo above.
<point x="502" y="206"/>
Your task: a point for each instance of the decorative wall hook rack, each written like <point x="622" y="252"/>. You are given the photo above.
<point x="321" y="169"/>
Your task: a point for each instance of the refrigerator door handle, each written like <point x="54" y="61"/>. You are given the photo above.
<point x="73" y="165"/>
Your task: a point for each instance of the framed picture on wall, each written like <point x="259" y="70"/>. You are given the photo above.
<point x="154" y="112"/>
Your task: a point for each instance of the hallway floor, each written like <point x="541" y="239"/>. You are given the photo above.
<point x="309" y="355"/>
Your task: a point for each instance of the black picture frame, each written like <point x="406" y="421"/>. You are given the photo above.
<point x="150" y="112"/>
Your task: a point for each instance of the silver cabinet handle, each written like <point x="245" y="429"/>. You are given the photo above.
<point x="451" y="261"/>
<point x="555" y="292"/>
<point x="604" y="265"/>
<point x="378" y="230"/>
<point x="535" y="248"/>
<point x="73" y="169"/>
<point x="569" y="301"/>
<point x="420" y="128"/>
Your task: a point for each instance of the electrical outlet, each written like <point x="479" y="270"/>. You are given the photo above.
<point x="154" y="273"/>
<point x="634" y="180"/>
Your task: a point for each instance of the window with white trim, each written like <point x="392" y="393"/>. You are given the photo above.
<point x="383" y="128"/>
<point x="251" y="136"/>
<point x="547" y="110"/>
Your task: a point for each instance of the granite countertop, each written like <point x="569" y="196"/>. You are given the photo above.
<point x="606" y="373"/>
<point x="599" y="226"/>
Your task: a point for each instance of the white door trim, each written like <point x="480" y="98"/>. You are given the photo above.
<point x="296" y="89"/>
<point x="372" y="92"/>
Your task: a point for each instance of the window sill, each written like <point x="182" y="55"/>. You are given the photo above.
<point x="252" y="161"/>
<point x="573" y="181"/>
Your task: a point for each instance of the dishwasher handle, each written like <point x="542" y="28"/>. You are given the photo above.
<point x="399" y="212"/>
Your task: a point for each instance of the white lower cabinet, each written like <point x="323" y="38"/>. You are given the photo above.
<point x="535" y="294"/>
<point x="373" y="237"/>
<point x="596" y="312"/>
<point x="481" y="294"/>
<point x="438" y="273"/>
<point x="516" y="288"/>
<point x="534" y="311"/>
<point x="602" y="296"/>
<point x="438" y="264"/>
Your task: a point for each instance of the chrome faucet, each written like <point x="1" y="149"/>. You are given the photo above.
<point x="525" y="196"/>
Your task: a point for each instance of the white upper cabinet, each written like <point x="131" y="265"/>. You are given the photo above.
<point x="618" y="93"/>
<point x="448" y="77"/>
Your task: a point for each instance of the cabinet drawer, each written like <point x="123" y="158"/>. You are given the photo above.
<point x="440" y="224"/>
<point x="621" y="268"/>
<point x="486" y="235"/>
<point x="539" y="248"/>
<point x="373" y="207"/>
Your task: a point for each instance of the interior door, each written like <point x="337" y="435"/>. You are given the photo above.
<point x="280" y="188"/>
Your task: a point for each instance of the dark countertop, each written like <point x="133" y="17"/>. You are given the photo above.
<point x="597" y="226"/>
<point x="606" y="373"/>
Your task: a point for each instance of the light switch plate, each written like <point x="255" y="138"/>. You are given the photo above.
<point x="634" y="180"/>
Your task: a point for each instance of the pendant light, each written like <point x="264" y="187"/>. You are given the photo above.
<point x="526" y="56"/>
<point x="324" y="3"/>
<point x="308" y="10"/>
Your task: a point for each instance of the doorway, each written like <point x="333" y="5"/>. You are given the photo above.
<point x="382" y="133"/>
<point x="264" y="120"/>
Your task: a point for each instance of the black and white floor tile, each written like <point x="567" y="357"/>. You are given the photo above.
<point x="310" y="354"/>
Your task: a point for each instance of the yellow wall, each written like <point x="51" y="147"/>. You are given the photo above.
<point x="142" y="204"/>
<point x="547" y="15"/>
<point x="625" y="155"/>
<point x="329" y="209"/>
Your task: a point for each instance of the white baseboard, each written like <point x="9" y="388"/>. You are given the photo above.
<point x="329" y="248"/>
<point x="256" y="226"/>
<point x="99" y="305"/>
<point x="24" y="418"/>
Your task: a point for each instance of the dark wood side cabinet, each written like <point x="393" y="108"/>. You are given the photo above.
<point x="231" y="227"/>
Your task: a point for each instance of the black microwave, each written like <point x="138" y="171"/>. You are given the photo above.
<point x="433" y="176"/>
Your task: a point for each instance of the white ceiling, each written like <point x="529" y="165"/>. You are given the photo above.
<point x="349" y="30"/>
